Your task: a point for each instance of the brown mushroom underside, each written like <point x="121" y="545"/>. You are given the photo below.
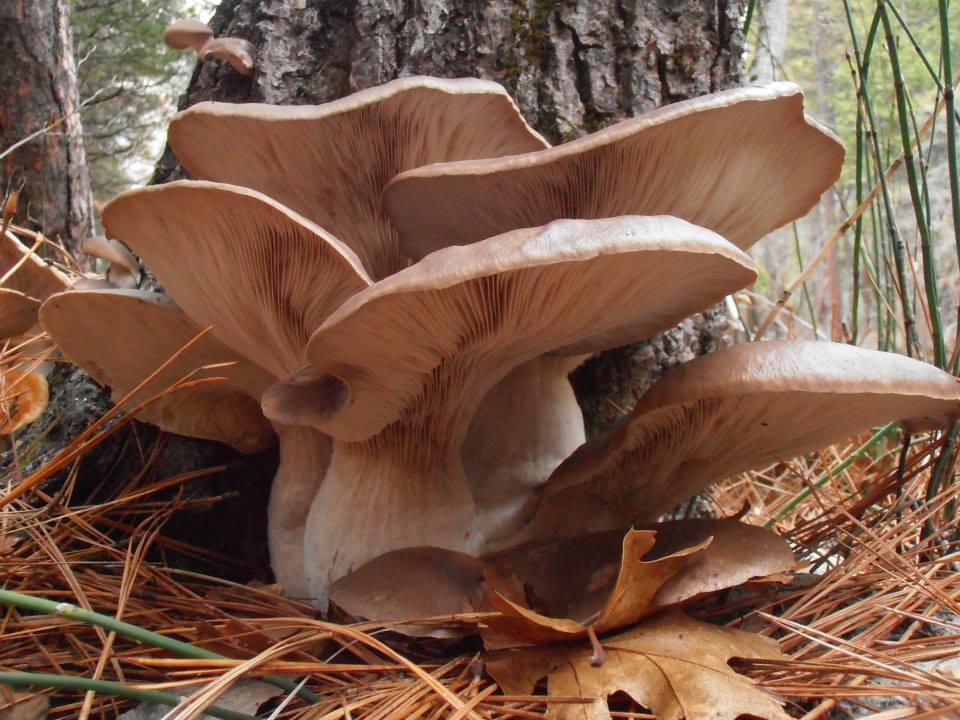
<point x="416" y="353"/>
<point x="331" y="162"/>
<point x="734" y="410"/>
<point x="741" y="163"/>
<point x="120" y="337"/>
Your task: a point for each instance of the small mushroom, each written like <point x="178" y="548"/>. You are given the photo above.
<point x="331" y="162"/>
<point x="236" y="52"/>
<point x="184" y="34"/>
<point x="25" y="396"/>
<point x="123" y="270"/>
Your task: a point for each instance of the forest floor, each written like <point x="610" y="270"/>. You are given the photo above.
<point x="870" y="621"/>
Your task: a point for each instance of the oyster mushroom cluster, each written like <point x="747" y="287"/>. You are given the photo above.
<point x="403" y="279"/>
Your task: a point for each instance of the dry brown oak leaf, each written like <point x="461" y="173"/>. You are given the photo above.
<point x="599" y="581"/>
<point x="672" y="664"/>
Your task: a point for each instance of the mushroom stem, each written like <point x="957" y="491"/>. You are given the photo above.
<point x="383" y="494"/>
<point x="527" y="424"/>
<point x="304" y="457"/>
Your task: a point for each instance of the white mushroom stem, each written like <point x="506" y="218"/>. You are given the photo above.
<point x="389" y="492"/>
<point x="527" y="424"/>
<point x="304" y="457"/>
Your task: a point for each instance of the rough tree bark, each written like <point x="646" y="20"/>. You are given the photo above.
<point x="572" y="66"/>
<point x="38" y="100"/>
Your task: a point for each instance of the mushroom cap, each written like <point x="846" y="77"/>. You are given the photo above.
<point x="33" y="277"/>
<point x="18" y="313"/>
<point x="430" y="340"/>
<point x="120" y="337"/>
<point x="261" y="274"/>
<point x="183" y="34"/>
<point x="238" y="53"/>
<point x="25" y="396"/>
<point x="124" y="269"/>
<point x="741" y="163"/>
<point x="331" y="162"/>
<point x="734" y="410"/>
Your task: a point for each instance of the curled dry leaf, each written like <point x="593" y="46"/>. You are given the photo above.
<point x="606" y="580"/>
<point x="630" y="600"/>
<point x="673" y="665"/>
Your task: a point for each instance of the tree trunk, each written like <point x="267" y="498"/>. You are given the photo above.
<point x="38" y="100"/>
<point x="771" y="41"/>
<point x="572" y="67"/>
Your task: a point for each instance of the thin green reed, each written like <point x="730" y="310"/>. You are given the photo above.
<point x="896" y="241"/>
<point x="916" y="196"/>
<point x="945" y="53"/>
<point x="806" y="290"/>
<point x="858" y="226"/>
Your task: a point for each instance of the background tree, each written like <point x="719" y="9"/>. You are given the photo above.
<point x="572" y="67"/>
<point x="40" y="127"/>
<point x="130" y="82"/>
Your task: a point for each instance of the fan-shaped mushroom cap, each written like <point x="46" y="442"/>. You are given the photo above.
<point x="120" y="337"/>
<point x="24" y="398"/>
<point x="414" y="354"/>
<point x="18" y="313"/>
<point x="184" y="34"/>
<point x="124" y="270"/>
<point x="238" y="53"/>
<point x="33" y="277"/>
<point x="262" y="275"/>
<point x="464" y="316"/>
<point x="331" y="162"/>
<point x="741" y="162"/>
<point x="734" y="410"/>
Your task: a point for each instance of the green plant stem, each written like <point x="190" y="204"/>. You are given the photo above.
<point x="943" y="463"/>
<point x="858" y="226"/>
<point x="912" y="340"/>
<point x="847" y="462"/>
<point x="948" y="96"/>
<point x="806" y="290"/>
<point x="748" y="21"/>
<point x="134" y="632"/>
<point x="108" y="687"/>
<point x="926" y="245"/>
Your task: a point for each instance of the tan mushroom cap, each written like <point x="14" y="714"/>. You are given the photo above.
<point x="331" y="162"/>
<point x="120" y="337"/>
<point x="184" y="34"/>
<point x="262" y="275"/>
<point x="18" y="313"/>
<point x="238" y="53"/>
<point x="741" y="163"/>
<point x="734" y="410"/>
<point x="24" y="398"/>
<point x="124" y="270"/>
<point x="33" y="277"/>
<point x="428" y="340"/>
